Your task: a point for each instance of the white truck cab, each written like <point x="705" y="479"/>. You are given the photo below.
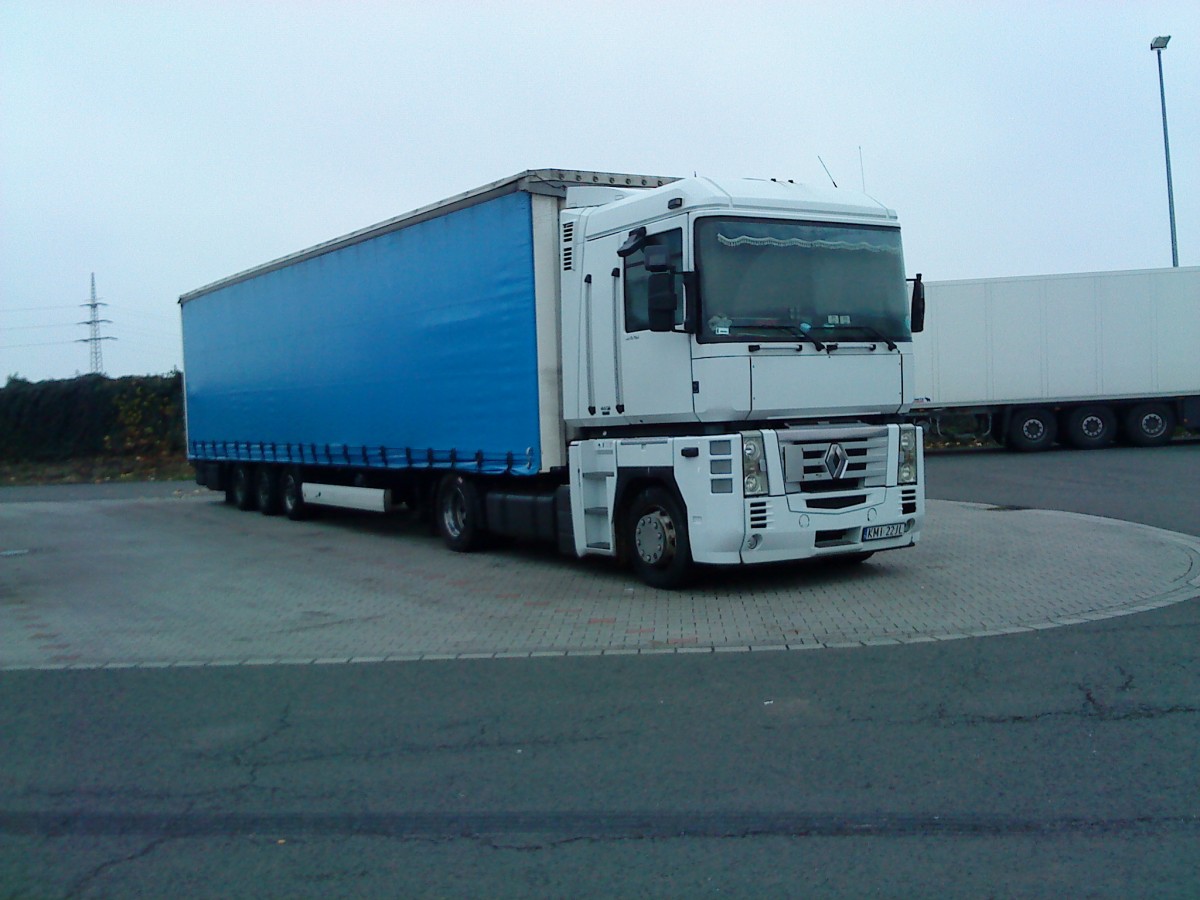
<point x="736" y="360"/>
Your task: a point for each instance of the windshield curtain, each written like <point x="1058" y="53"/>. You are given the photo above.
<point x="770" y="279"/>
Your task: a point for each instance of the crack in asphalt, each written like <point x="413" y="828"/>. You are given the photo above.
<point x="78" y="888"/>
<point x="96" y="872"/>
<point x="467" y="746"/>
<point x="563" y="826"/>
<point x="1093" y="710"/>
<point x="239" y="757"/>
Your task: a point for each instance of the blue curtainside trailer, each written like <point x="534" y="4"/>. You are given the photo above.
<point x="412" y="347"/>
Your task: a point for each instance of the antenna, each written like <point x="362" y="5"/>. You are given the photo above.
<point x="826" y="168"/>
<point x="94" y="323"/>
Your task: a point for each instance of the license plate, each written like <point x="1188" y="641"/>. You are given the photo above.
<point x="879" y="532"/>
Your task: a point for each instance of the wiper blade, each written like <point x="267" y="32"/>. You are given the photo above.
<point x="799" y="332"/>
<point x="873" y="332"/>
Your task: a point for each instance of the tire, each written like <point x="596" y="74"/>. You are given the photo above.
<point x="266" y="485"/>
<point x="1149" y="425"/>
<point x="245" y="497"/>
<point x="291" y="495"/>
<point x="458" y="514"/>
<point x="1032" y="429"/>
<point x="1089" y="427"/>
<point x="656" y="538"/>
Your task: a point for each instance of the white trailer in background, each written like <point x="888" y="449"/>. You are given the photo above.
<point x="1075" y="359"/>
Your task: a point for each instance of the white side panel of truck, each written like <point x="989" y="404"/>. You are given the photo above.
<point x="1060" y="338"/>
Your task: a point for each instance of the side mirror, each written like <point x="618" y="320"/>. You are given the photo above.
<point x="660" y="308"/>
<point x="918" y="305"/>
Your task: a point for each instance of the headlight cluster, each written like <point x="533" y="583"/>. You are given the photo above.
<point x="754" y="465"/>
<point x="906" y="468"/>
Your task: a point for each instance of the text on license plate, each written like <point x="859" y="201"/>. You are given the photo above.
<point x="879" y="532"/>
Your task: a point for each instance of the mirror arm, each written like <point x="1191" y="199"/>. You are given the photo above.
<point x="633" y="243"/>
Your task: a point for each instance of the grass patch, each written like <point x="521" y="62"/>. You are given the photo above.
<point x="97" y="469"/>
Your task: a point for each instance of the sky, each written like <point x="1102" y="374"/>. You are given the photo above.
<point x="164" y="144"/>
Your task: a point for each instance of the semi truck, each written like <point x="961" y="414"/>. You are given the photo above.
<point x="1079" y="359"/>
<point x="666" y="371"/>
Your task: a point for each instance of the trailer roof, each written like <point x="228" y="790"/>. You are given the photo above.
<point x="552" y="182"/>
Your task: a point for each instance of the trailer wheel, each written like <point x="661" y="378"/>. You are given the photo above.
<point x="656" y="538"/>
<point x="459" y="514"/>
<point x="244" y="495"/>
<point x="1032" y="429"/>
<point x="291" y="495"/>
<point x="266" y="484"/>
<point x="1149" y="424"/>
<point x="1090" y="427"/>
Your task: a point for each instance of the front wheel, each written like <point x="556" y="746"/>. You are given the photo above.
<point x="656" y="537"/>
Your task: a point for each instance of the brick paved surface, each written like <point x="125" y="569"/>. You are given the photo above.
<point x="191" y="581"/>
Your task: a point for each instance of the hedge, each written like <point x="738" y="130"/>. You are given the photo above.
<point x="89" y="416"/>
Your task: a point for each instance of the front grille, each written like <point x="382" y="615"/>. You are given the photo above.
<point x="760" y="514"/>
<point x="908" y="501"/>
<point x="826" y="460"/>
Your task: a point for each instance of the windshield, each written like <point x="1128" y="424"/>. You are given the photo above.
<point x="770" y="279"/>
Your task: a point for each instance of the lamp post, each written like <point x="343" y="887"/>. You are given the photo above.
<point x="1158" y="45"/>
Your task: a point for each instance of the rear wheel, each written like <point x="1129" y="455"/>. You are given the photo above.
<point x="459" y="514"/>
<point x="1149" y="424"/>
<point x="291" y="495"/>
<point x="244" y="495"/>
<point x="656" y="537"/>
<point x="267" y="487"/>
<point x="1032" y="429"/>
<point x="1090" y="427"/>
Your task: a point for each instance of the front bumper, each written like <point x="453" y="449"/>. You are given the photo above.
<point x="788" y="528"/>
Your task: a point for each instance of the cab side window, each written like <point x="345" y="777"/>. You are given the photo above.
<point x="637" y="280"/>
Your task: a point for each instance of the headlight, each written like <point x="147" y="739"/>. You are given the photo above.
<point x="906" y="457"/>
<point x="754" y="470"/>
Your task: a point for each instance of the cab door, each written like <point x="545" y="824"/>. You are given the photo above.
<point x="653" y="368"/>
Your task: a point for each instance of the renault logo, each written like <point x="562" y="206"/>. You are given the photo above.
<point x="836" y="460"/>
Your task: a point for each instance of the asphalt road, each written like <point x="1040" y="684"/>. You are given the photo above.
<point x="1059" y="763"/>
<point x="1159" y="486"/>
